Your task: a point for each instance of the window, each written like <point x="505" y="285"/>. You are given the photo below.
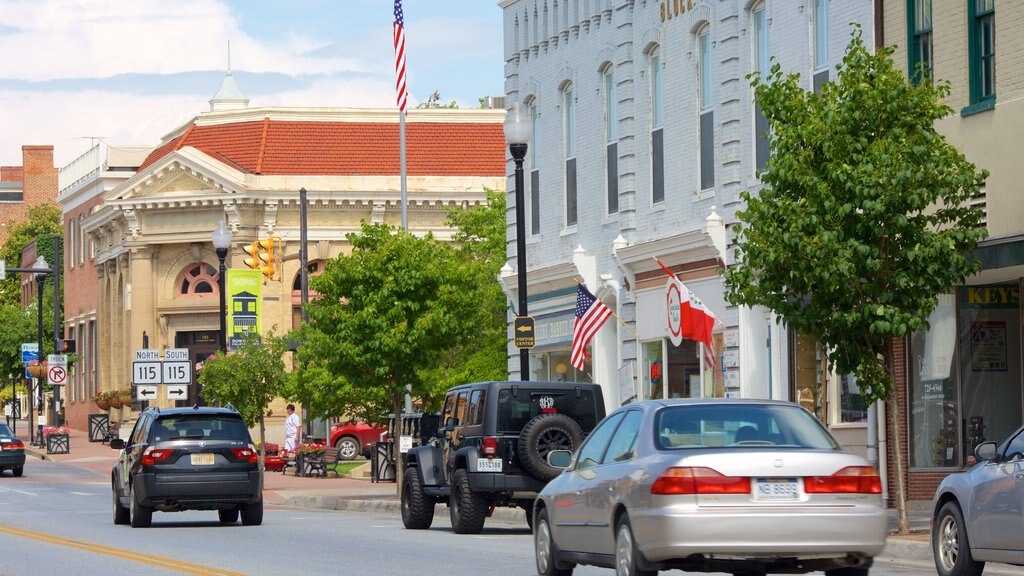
<point x="982" y="37"/>
<point x="69" y="245"/>
<point x="919" y="24"/>
<point x="592" y="451"/>
<point x="707" y="113"/>
<point x="657" y="130"/>
<point x="460" y="408"/>
<point x="476" y="407"/>
<point x="197" y="279"/>
<point x="761" y="60"/>
<point x="569" y="106"/>
<point x="820" y="44"/>
<point x="80" y="241"/>
<point x="621" y="447"/>
<point x="933" y="397"/>
<point x="516" y="409"/>
<point x="534" y="170"/>
<point x="611" y="136"/>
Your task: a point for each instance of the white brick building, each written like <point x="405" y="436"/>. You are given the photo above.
<point x="654" y="94"/>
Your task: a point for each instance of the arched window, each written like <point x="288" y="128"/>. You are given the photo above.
<point x="197" y="279"/>
<point x="706" y="76"/>
<point x="611" y="133"/>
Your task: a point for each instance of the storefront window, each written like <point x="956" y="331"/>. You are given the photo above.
<point x="683" y="372"/>
<point x="933" y="410"/>
<point x="555" y="367"/>
<point x="990" y="362"/>
<point x="654" y="370"/>
<point x="808" y="370"/>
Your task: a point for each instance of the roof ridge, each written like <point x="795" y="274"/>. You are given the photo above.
<point x="263" y="145"/>
<point x="184" y="137"/>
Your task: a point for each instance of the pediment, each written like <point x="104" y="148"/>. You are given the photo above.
<point x="183" y="174"/>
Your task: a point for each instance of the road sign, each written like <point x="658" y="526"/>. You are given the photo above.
<point x="175" y="354"/>
<point x="177" y="391"/>
<point x="29" y="352"/>
<point x="525" y="332"/>
<point x="145" y="373"/>
<point x="57" y="371"/>
<point x="177" y="372"/>
<point x="146" y="392"/>
<point x="147" y="355"/>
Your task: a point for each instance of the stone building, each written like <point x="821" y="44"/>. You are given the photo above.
<point x="156" y="266"/>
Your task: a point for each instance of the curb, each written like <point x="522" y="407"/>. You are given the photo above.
<point x="386" y="506"/>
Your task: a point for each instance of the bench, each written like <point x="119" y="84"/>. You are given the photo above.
<point x="320" y="464"/>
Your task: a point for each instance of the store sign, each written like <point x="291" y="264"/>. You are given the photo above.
<point x="244" y="301"/>
<point x="674" y="310"/>
<point x="674" y="8"/>
<point x="554" y="329"/>
<point x="990" y="296"/>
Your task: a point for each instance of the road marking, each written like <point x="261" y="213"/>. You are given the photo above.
<point x="18" y="491"/>
<point x="151" y="560"/>
<point x="82" y="493"/>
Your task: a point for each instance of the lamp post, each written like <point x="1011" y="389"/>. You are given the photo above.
<point x="221" y="242"/>
<point x="517" y="134"/>
<point x="40" y="264"/>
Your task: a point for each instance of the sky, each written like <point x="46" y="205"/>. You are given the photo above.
<point x="130" y="71"/>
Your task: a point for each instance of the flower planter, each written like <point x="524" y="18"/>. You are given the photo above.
<point x="58" y="444"/>
<point x="37" y="370"/>
<point x="103" y="404"/>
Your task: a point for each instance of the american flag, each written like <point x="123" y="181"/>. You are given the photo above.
<point x="591" y="314"/>
<point x="403" y="94"/>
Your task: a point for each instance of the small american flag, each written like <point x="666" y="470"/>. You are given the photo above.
<point x="403" y="93"/>
<point x="591" y="314"/>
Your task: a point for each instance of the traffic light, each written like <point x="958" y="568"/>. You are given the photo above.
<point x="68" y="347"/>
<point x="253" y="250"/>
<point x="268" y="257"/>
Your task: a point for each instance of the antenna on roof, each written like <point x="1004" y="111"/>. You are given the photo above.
<point x="229" y="57"/>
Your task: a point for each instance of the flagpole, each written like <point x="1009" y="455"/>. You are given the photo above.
<point x="401" y="160"/>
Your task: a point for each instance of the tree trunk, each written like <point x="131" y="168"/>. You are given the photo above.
<point x="895" y="446"/>
<point x="263" y="450"/>
<point x="396" y="406"/>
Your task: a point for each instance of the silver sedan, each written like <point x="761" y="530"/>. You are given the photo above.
<point x="741" y="486"/>
<point x="979" y="513"/>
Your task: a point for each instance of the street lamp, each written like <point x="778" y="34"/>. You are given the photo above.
<point x="221" y="242"/>
<point x="517" y="134"/>
<point x="40" y="264"/>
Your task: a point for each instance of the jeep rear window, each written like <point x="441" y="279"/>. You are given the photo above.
<point x="201" y="426"/>
<point x="514" y="411"/>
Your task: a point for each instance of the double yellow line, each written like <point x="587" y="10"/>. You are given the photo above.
<point x="185" y="567"/>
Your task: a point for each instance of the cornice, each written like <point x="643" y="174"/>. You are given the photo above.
<point x="680" y="248"/>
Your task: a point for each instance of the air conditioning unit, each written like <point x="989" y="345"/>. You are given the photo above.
<point x="497" y="102"/>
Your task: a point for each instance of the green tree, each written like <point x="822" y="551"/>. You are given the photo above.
<point x="863" y="219"/>
<point x="434" y="101"/>
<point x="386" y="313"/>
<point x="43" y="222"/>
<point x="249" y="379"/>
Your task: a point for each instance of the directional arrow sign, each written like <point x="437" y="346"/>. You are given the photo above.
<point x="146" y="392"/>
<point x="177" y="391"/>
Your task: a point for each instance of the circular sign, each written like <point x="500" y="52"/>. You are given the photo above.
<point x="673" y="308"/>
<point x="56" y="375"/>
<point x="656" y="372"/>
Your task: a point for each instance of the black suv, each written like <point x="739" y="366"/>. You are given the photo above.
<point x="187" y="459"/>
<point x="492" y="449"/>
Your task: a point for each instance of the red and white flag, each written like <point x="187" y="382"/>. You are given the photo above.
<point x="591" y="314"/>
<point x="399" y="33"/>
<point x="696" y="319"/>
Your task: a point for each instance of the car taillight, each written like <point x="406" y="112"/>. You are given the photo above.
<point x="699" y="480"/>
<point x="849" y="480"/>
<point x="249" y="454"/>
<point x="490" y="446"/>
<point x="16" y="445"/>
<point x="151" y="456"/>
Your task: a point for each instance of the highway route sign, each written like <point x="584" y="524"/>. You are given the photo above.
<point x="146" y="392"/>
<point x="177" y="372"/>
<point x="146" y="373"/>
<point x="177" y="391"/>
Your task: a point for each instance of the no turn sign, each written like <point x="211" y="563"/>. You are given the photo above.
<point x="57" y="373"/>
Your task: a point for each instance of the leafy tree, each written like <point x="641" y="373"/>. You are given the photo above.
<point x="43" y="222"/>
<point x="864" y="216"/>
<point x="249" y="379"/>
<point x="434" y="101"/>
<point x="386" y="312"/>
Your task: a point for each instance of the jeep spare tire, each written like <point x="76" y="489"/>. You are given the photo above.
<point x="543" y="435"/>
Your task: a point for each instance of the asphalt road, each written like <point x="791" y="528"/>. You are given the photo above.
<point x="57" y="520"/>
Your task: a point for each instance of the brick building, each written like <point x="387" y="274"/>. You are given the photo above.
<point x="33" y="182"/>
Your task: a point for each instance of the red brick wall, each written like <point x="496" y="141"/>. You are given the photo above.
<point x="39" y="184"/>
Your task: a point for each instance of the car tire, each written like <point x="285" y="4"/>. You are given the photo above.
<point x="122" y="515"/>
<point x="141" y="516"/>
<point x="528" y="508"/>
<point x="17" y="471"/>
<point x="542" y="435"/>
<point x="466" y="508"/>
<point x="546" y="551"/>
<point x="349" y="448"/>
<point x="627" y="555"/>
<point x="229" y="516"/>
<point x="951" y="547"/>
<point x="252" y="514"/>
<point x="417" y="507"/>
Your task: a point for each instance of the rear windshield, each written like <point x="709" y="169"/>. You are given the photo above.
<point x="739" y="426"/>
<point x="514" y="411"/>
<point x="5" y="432"/>
<point x="200" y="426"/>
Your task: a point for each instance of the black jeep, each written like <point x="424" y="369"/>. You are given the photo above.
<point x="492" y="449"/>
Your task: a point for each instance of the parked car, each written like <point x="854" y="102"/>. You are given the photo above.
<point x="716" y="485"/>
<point x="187" y="459"/>
<point x="355" y="438"/>
<point x="979" y="513"/>
<point x="493" y="449"/>
<point x="12" y="452"/>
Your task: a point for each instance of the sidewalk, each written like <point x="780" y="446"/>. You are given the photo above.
<point x="352" y="494"/>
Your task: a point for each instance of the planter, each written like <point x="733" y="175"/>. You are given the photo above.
<point x="37" y="370"/>
<point x="58" y="444"/>
<point x="115" y="402"/>
<point x="103" y="404"/>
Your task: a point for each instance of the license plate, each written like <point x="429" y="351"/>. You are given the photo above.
<point x="776" y="489"/>
<point x="202" y="459"/>
<point x="488" y="465"/>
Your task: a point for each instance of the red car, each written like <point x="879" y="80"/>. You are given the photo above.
<point x="355" y="438"/>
